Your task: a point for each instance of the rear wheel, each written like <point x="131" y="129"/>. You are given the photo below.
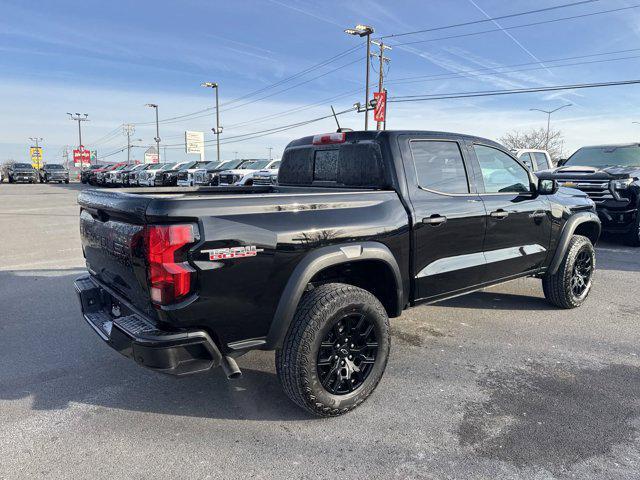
<point x="571" y="284"/>
<point x="335" y="351"/>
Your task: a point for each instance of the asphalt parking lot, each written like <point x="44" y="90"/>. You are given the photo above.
<point x="496" y="384"/>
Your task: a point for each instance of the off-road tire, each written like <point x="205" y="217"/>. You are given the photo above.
<point x="557" y="287"/>
<point x="633" y="237"/>
<point x="317" y="313"/>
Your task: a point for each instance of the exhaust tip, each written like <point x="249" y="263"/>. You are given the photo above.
<point x="230" y="367"/>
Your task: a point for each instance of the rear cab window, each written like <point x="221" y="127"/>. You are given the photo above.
<point x="355" y="164"/>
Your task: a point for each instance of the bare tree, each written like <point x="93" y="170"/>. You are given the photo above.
<point x="535" y="138"/>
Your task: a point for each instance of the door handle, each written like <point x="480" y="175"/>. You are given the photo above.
<point x="434" y="220"/>
<point x="538" y="214"/>
<point x="499" y="214"/>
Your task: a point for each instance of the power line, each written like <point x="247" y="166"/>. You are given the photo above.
<point x="485" y="20"/>
<point x="260" y="98"/>
<point x="260" y="90"/>
<point x="513" y="27"/>
<point x="444" y="76"/>
<point x="514" y="91"/>
<point x="478" y="73"/>
<point x="111" y="133"/>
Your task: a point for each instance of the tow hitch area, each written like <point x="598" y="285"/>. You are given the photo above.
<point x="180" y="352"/>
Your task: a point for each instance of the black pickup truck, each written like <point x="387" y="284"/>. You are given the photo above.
<point x="361" y="226"/>
<point x="610" y="175"/>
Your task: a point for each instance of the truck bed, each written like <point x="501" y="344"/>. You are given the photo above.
<point x="282" y="223"/>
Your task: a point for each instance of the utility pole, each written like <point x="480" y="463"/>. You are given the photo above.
<point x="549" y="112"/>
<point x="364" y="31"/>
<point x="218" y="129"/>
<point x="380" y="56"/>
<point x="157" y="138"/>
<point x="270" y="149"/>
<point x="128" y="130"/>
<point x="36" y="140"/>
<point x="65" y="156"/>
<point x="79" y="118"/>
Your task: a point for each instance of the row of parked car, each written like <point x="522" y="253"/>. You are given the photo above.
<point x="15" y="172"/>
<point x="184" y="174"/>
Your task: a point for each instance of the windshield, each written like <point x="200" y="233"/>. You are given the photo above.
<point x="231" y="164"/>
<point x="196" y="165"/>
<point x="167" y="166"/>
<point x="181" y="165"/>
<point x="627" y="156"/>
<point x="213" y="165"/>
<point x="21" y="165"/>
<point x="257" y="165"/>
<point x="53" y="166"/>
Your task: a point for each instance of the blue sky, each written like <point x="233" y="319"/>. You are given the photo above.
<point x="109" y="59"/>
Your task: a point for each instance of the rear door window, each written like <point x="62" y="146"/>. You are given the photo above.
<point x="439" y="166"/>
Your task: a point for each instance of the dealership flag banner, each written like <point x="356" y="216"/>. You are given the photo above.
<point x="81" y="157"/>
<point x="381" y="105"/>
<point x="36" y="157"/>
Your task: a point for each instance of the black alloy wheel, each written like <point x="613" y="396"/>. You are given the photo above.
<point x="347" y="354"/>
<point x="582" y="271"/>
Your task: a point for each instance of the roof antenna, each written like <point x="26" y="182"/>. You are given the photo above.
<point x="340" y="129"/>
<point x="336" y="118"/>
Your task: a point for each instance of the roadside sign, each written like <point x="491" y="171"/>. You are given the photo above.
<point x="81" y="157"/>
<point x="194" y="142"/>
<point x="381" y="106"/>
<point x="36" y="157"/>
<point x="151" y="155"/>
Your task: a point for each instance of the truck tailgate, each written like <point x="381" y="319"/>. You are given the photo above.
<point x="111" y="229"/>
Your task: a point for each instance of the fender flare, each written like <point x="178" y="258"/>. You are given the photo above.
<point x="567" y="232"/>
<point x="313" y="263"/>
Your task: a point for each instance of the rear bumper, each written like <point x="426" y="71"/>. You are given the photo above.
<point x="179" y="352"/>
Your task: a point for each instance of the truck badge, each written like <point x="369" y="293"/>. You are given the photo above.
<point x="233" y="252"/>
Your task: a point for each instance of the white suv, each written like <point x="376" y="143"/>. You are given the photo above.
<point x="244" y="175"/>
<point x="535" y="160"/>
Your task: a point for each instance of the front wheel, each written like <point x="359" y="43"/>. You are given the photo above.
<point x="335" y="351"/>
<point x="571" y="284"/>
<point x="633" y="237"/>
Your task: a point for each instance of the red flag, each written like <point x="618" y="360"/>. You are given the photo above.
<point x="381" y="106"/>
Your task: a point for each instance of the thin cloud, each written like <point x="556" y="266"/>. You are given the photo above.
<point x="508" y="34"/>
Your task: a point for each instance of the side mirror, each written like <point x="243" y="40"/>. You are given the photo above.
<point x="547" y="187"/>
<point x="561" y="162"/>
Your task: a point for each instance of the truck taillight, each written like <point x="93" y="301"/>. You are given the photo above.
<point x="329" y="138"/>
<point x="170" y="277"/>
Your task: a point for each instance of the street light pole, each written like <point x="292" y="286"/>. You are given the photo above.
<point x="364" y="31"/>
<point x="157" y="139"/>
<point x="549" y="112"/>
<point x="270" y="150"/>
<point x="218" y="129"/>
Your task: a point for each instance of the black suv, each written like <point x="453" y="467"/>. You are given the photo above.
<point x="54" y="172"/>
<point x="21" y="172"/>
<point x="609" y="175"/>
